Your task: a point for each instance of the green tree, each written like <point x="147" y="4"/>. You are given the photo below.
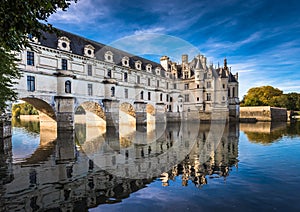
<point x="23" y="109"/>
<point x="18" y="19"/>
<point x="261" y="96"/>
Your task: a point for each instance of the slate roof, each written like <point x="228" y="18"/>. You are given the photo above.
<point x="77" y="44"/>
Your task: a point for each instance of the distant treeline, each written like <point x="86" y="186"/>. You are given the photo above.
<point x="270" y="96"/>
<point x="23" y="109"/>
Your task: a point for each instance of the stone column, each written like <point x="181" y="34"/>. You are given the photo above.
<point x="111" y="109"/>
<point x="65" y="113"/>
<point x="5" y="129"/>
<point x="6" y="172"/>
<point x="65" y="146"/>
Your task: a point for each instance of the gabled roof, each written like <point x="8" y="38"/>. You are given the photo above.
<point x="77" y="44"/>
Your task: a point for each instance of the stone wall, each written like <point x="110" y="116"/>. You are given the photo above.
<point x="263" y="113"/>
<point x="5" y="129"/>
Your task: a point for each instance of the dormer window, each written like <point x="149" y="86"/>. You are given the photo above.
<point x="149" y="68"/>
<point x="33" y="39"/>
<point x="125" y="61"/>
<point x="63" y="44"/>
<point x="157" y="71"/>
<point x="89" y="50"/>
<point x="138" y="65"/>
<point x="108" y="57"/>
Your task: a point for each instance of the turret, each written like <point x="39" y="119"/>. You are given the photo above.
<point x="164" y="62"/>
<point x="199" y="73"/>
<point x="225" y="64"/>
<point x="184" y="58"/>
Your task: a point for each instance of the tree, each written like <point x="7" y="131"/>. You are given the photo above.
<point x="269" y="96"/>
<point x="261" y="96"/>
<point x="18" y="19"/>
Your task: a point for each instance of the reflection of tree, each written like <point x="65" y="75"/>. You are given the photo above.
<point x="291" y="129"/>
<point x="30" y="126"/>
<point x="264" y="138"/>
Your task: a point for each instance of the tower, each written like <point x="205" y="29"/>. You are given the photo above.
<point x="164" y="62"/>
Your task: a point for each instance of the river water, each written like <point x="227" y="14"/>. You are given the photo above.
<point x="176" y="167"/>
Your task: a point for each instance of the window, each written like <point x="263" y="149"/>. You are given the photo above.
<point x="186" y="86"/>
<point x="125" y="77"/>
<point x="233" y="92"/>
<point x="68" y="86"/>
<point x="198" y="86"/>
<point x="223" y="86"/>
<point x="198" y="99"/>
<point x="208" y="84"/>
<point x="90" y="89"/>
<point x="171" y="99"/>
<point x="161" y="97"/>
<point x="167" y="85"/>
<point x="228" y="92"/>
<point x="125" y="61"/>
<point x="112" y="91"/>
<point x="142" y="94"/>
<point x="157" y="83"/>
<point x="149" y="82"/>
<point x="108" y="56"/>
<point x="149" y="95"/>
<point x="30" y="83"/>
<point x="109" y="73"/>
<point x="30" y="58"/>
<point x="186" y="75"/>
<point x="138" y="79"/>
<point x="175" y="86"/>
<point x="64" y="64"/>
<point x="126" y="93"/>
<point x="167" y="97"/>
<point x="186" y="97"/>
<point x="90" y="71"/>
<point x="208" y="97"/>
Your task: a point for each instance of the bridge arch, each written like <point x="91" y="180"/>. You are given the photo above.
<point x="47" y="119"/>
<point x="90" y="121"/>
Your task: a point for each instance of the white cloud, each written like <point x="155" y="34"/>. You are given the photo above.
<point x="150" y="31"/>
<point x="83" y="12"/>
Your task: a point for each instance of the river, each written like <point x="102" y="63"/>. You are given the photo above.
<point x="176" y="167"/>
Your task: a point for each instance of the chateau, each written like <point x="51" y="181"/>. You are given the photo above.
<point x="67" y="70"/>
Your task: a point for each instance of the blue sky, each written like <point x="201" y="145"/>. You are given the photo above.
<point x="259" y="38"/>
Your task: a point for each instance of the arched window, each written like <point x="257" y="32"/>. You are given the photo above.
<point x="109" y="73"/>
<point x="112" y="91"/>
<point x="68" y="86"/>
<point x="142" y="94"/>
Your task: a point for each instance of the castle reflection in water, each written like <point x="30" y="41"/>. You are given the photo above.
<point x="84" y="169"/>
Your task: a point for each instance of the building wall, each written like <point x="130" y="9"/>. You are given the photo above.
<point x="163" y="88"/>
